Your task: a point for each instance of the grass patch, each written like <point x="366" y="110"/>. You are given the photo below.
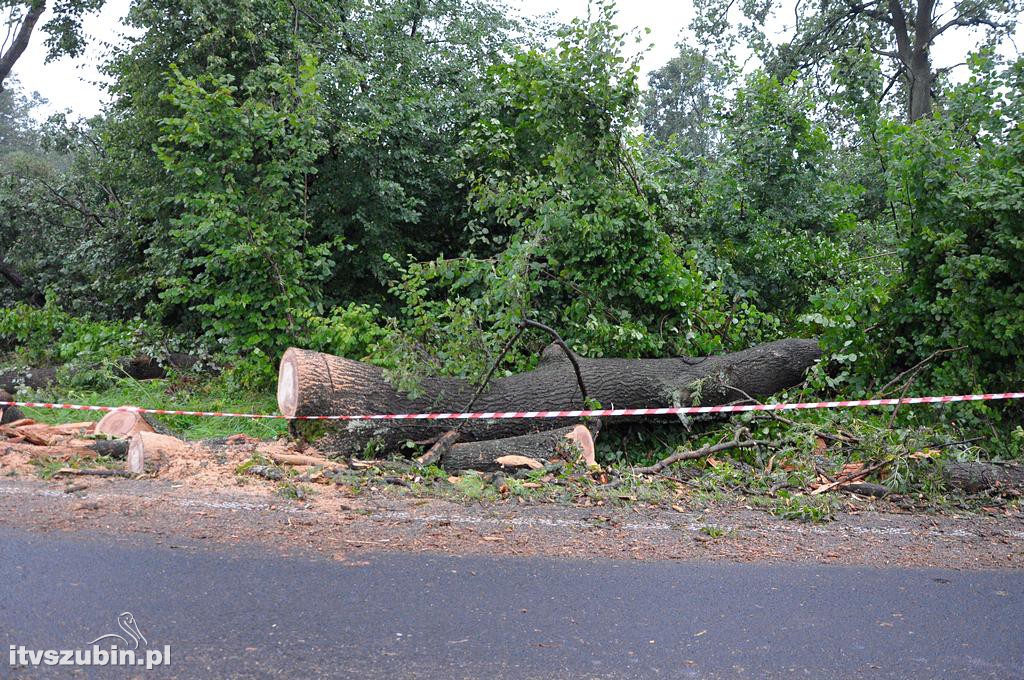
<point x="184" y="393"/>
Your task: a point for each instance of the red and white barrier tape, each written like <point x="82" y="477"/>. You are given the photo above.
<point x="506" y="415"/>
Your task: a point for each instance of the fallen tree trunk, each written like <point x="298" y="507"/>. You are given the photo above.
<point x="138" y="368"/>
<point x="565" y="442"/>
<point x="975" y="477"/>
<point x="311" y="383"/>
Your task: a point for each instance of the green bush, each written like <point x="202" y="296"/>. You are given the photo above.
<point x="958" y="182"/>
<point x="238" y="264"/>
<point x="48" y="335"/>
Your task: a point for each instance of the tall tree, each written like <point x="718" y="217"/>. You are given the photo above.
<point x="902" y="32"/>
<point x="400" y="80"/>
<point x="63" y="31"/>
<point x="680" y="100"/>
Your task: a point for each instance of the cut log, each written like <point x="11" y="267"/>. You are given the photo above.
<point x="123" y="424"/>
<point x="563" y="442"/>
<point x="148" y="451"/>
<point x="311" y="383"/>
<point x="584" y="441"/>
<point x="975" y="477"/>
<point x="36" y="378"/>
<point x="117" y="448"/>
<point x="139" y="368"/>
<point x="9" y="414"/>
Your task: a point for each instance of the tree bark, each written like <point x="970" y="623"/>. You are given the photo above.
<point x="14" y="52"/>
<point x="8" y="414"/>
<point x="563" y="442"/>
<point x="15" y="278"/>
<point x="975" y="477"/>
<point x="920" y="66"/>
<point x="310" y="383"/>
<point x="115" y="448"/>
<point x="138" y="368"/>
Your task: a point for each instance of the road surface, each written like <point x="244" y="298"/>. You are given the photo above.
<point x="236" y="612"/>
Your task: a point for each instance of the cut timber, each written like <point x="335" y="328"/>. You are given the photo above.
<point x="584" y="442"/>
<point x="311" y="383"/>
<point x="302" y="459"/>
<point x="519" y="461"/>
<point x="563" y="442"/>
<point x="117" y="448"/>
<point x="9" y="414"/>
<point x="123" y="424"/>
<point x="43" y="434"/>
<point x="148" y="451"/>
<point x="138" y="368"/>
<point x="975" y="477"/>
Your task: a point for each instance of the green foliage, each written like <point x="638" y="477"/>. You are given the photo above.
<point x="769" y="205"/>
<point x="352" y="331"/>
<point x="238" y="264"/>
<point x="682" y="99"/>
<point x="564" y="231"/>
<point x="803" y="508"/>
<point x="48" y="336"/>
<point x="958" y="186"/>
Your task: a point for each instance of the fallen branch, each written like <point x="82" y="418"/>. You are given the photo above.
<point x="302" y="459"/>
<point x="916" y="367"/>
<point x="846" y="479"/>
<point x="708" y="450"/>
<point x="771" y="415"/>
<point x="94" y="472"/>
<point x="486" y="455"/>
<point x="867" y="489"/>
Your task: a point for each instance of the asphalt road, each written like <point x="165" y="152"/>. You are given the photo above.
<point x="238" y="613"/>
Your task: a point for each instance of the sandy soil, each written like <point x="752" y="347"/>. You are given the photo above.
<point x="202" y="502"/>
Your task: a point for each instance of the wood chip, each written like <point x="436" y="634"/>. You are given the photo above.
<point x="519" y="461"/>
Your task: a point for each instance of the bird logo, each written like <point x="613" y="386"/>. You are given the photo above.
<point x="126" y="622"/>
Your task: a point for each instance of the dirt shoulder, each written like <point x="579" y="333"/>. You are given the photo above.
<point x="341" y="525"/>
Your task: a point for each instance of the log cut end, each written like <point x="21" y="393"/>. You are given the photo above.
<point x="147" y="451"/>
<point x="314" y="384"/>
<point x="288" y="384"/>
<point x="123" y="424"/>
<point x="585" y="441"/>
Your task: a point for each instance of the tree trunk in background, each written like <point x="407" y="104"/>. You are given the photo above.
<point x="20" y="42"/>
<point x="311" y="383"/>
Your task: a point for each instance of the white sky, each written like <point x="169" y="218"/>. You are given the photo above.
<point x="73" y="84"/>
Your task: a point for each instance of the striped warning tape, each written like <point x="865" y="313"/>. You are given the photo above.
<point x="507" y="415"/>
